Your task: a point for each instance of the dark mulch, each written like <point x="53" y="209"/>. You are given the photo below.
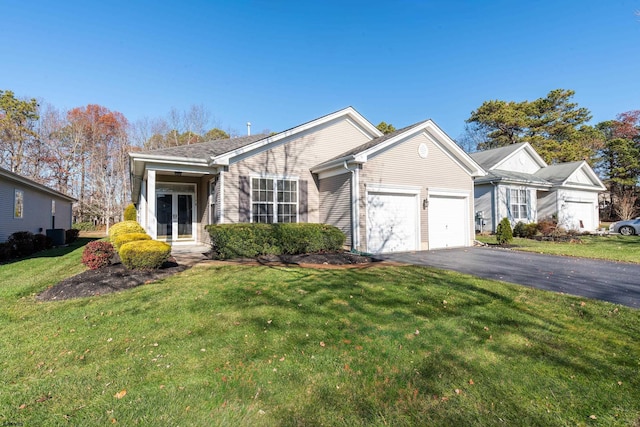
<point x="342" y="258"/>
<point x="117" y="277"/>
<point x="113" y="278"/>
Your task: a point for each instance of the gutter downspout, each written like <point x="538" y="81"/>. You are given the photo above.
<point x="355" y="208"/>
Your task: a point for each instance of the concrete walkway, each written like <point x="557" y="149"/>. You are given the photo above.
<point x="608" y="281"/>
<point x="190" y="255"/>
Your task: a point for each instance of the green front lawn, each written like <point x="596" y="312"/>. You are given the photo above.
<point x="613" y="248"/>
<point x="239" y="345"/>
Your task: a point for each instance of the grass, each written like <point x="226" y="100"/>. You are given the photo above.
<point x="608" y="247"/>
<point x="238" y="345"/>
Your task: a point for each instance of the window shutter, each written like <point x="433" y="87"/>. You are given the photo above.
<point x="508" y="199"/>
<point x="244" y="200"/>
<point x="528" y="201"/>
<point x="303" y="214"/>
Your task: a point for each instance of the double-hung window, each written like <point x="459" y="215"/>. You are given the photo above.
<point x="274" y="200"/>
<point x="519" y="203"/>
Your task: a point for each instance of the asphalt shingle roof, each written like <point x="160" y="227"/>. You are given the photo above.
<point x="489" y="158"/>
<point x="559" y="173"/>
<point x="208" y="149"/>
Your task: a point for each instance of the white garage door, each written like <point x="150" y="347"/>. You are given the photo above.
<point x="579" y="216"/>
<point x="392" y="222"/>
<point x="448" y="221"/>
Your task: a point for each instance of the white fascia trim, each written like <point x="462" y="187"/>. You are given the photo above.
<point x="336" y="167"/>
<point x="533" y="153"/>
<point x="597" y="183"/>
<point x="391" y="188"/>
<point x="170" y="159"/>
<point x="173" y="167"/>
<point x="351" y="114"/>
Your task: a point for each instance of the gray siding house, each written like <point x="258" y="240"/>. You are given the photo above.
<point x="408" y="190"/>
<point x="520" y="186"/>
<point x="26" y="205"/>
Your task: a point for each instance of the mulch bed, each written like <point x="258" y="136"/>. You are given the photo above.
<point x="117" y="277"/>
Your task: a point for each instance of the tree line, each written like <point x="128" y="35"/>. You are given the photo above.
<point x="83" y="152"/>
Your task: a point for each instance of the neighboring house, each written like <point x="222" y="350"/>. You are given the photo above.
<point x="408" y="190"/>
<point x="519" y="185"/>
<point x="28" y="206"/>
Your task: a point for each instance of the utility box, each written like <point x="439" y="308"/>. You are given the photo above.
<point x="57" y="235"/>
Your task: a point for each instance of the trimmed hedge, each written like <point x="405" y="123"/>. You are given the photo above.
<point x="121" y="239"/>
<point x="144" y="254"/>
<point x="252" y="240"/>
<point x="504" y="233"/>
<point x="123" y="228"/>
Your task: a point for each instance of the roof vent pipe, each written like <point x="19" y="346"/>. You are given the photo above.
<point x="248" y="128"/>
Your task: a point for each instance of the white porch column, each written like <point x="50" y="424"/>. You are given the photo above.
<point x="142" y="209"/>
<point x="152" y="227"/>
<point x="221" y="197"/>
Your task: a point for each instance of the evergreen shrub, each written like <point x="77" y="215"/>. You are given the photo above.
<point x="121" y="239"/>
<point x="504" y="234"/>
<point x="144" y="254"/>
<point x="123" y="228"/>
<point x="21" y="243"/>
<point x="130" y="213"/>
<point x="97" y="254"/>
<point x="71" y="235"/>
<point x="251" y="240"/>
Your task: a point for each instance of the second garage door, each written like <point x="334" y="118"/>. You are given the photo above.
<point x="392" y="222"/>
<point x="448" y="221"/>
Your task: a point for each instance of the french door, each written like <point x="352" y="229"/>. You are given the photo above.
<point x="175" y="216"/>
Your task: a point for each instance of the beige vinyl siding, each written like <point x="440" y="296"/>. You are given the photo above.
<point x="293" y="158"/>
<point x="401" y="165"/>
<point x="335" y="203"/>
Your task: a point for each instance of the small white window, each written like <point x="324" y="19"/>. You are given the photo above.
<point x="53" y="207"/>
<point x="18" y="204"/>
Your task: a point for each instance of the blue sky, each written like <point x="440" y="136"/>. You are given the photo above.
<point x="281" y="63"/>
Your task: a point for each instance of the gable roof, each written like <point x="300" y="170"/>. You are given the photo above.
<point x="362" y="153"/>
<point x="30" y="183"/>
<point x="201" y="150"/>
<point x="493" y="158"/>
<point x="560" y="173"/>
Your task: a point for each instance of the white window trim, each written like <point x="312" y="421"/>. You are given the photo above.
<point x="275" y="194"/>
<point x="526" y="204"/>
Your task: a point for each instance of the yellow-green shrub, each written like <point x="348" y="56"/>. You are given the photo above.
<point x="130" y="213"/>
<point x="121" y="239"/>
<point x="144" y="254"/>
<point x="124" y="227"/>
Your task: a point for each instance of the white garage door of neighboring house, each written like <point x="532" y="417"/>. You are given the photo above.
<point x="448" y="221"/>
<point x="392" y="222"/>
<point x="579" y="216"/>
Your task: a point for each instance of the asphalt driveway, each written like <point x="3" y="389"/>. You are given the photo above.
<point x="608" y="281"/>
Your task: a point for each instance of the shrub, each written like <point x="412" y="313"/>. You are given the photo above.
<point x="6" y="251"/>
<point x="526" y="231"/>
<point x="124" y="227"/>
<point x="144" y="254"/>
<point x="130" y="213"/>
<point x="308" y="238"/>
<point x="41" y="242"/>
<point x="504" y="234"/>
<point x="97" y="254"/>
<point x="242" y="240"/>
<point x="121" y="239"/>
<point x="252" y="240"/>
<point x="547" y="226"/>
<point x="84" y="226"/>
<point x="22" y="243"/>
<point x="71" y="235"/>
